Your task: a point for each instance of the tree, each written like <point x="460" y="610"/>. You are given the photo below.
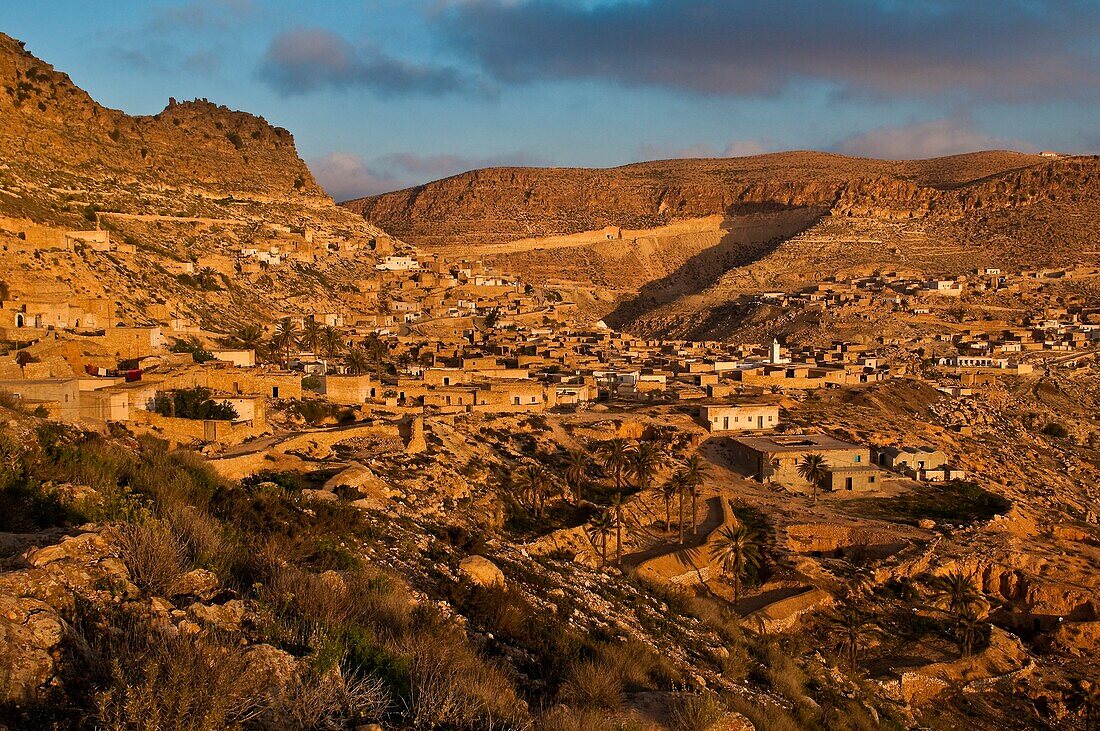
<point x="249" y="336"/>
<point x="736" y="550"/>
<point x="850" y="628"/>
<point x="968" y="627"/>
<point x="576" y="472"/>
<point x="285" y="338"/>
<point x="193" y="403"/>
<point x="599" y="530"/>
<point x="616" y="460"/>
<point x="312" y="336"/>
<point x="681" y="485"/>
<point x="535" y="482"/>
<point x="357" y="361"/>
<point x="954" y="591"/>
<point x="645" y="460"/>
<point x="207" y="279"/>
<point x="617" y="506"/>
<point x="814" y="469"/>
<point x="695" y="474"/>
<point x="670" y="489"/>
<point x="332" y="341"/>
<point x="378" y="353"/>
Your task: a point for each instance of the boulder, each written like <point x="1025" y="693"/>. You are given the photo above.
<point x="30" y="633"/>
<point x="226" y="616"/>
<point x="481" y="571"/>
<point x="199" y="583"/>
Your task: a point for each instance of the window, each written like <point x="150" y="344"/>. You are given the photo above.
<point x="274" y="392"/>
<point x="859" y="458"/>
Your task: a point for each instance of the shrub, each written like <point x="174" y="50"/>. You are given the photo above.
<point x="696" y="711"/>
<point x="593" y="684"/>
<point x="154" y="555"/>
<point x="194" y="347"/>
<point x="311" y="383"/>
<point x="193" y="403"/>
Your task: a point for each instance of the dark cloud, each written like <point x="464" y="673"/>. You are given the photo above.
<point x="345" y="175"/>
<point x="921" y="140"/>
<point x="202" y="15"/>
<point x="985" y="49"/>
<point x="307" y="59"/>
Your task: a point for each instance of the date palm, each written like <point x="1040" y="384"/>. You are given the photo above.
<point x="249" y="336"/>
<point x="955" y="591"/>
<point x="617" y="506"/>
<point x="695" y="474"/>
<point x="851" y="628"/>
<point x="312" y="336"/>
<point x="615" y="455"/>
<point x="357" y="362"/>
<point x="535" y="482"/>
<point x="645" y="460"/>
<point x="670" y="489"/>
<point x="968" y="626"/>
<point x="736" y="550"/>
<point x="332" y="341"/>
<point x="813" y="469"/>
<point x="378" y="353"/>
<point x="576" y="472"/>
<point x="679" y="481"/>
<point x="285" y="338"/>
<point x="599" y="530"/>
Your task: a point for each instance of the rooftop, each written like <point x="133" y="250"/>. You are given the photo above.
<point x="795" y="443"/>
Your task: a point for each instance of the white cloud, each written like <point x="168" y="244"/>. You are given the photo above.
<point x="936" y="138"/>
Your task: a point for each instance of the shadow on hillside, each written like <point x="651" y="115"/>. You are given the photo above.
<point x="703" y="270"/>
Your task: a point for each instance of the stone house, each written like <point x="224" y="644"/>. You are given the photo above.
<point x="739" y="417"/>
<point x="775" y="458"/>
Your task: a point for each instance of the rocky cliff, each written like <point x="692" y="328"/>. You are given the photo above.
<point x="502" y="204"/>
<point x="52" y="133"/>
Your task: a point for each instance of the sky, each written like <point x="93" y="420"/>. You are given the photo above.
<point x="384" y="94"/>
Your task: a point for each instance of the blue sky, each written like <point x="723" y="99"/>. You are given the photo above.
<point x="381" y="94"/>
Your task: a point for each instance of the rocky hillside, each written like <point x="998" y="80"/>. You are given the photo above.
<point x="52" y="132"/>
<point x="188" y="187"/>
<point x="502" y="204"/>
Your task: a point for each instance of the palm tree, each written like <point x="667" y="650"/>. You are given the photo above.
<point x="969" y="626"/>
<point x="954" y="591"/>
<point x="617" y="506"/>
<point x="736" y="550"/>
<point x="312" y="336"/>
<point x="576" y="472"/>
<point x="612" y="381"/>
<point x="695" y="473"/>
<point x="332" y="341"/>
<point x="599" y="530"/>
<point x="206" y="278"/>
<point x="616" y="460"/>
<point x="851" y="628"/>
<point x="377" y="352"/>
<point x="813" y="468"/>
<point x="670" y="489"/>
<point x="534" y="479"/>
<point x="285" y="338"/>
<point x="249" y="336"/>
<point x="645" y="460"/>
<point x="679" y="479"/>
<point x="357" y="362"/>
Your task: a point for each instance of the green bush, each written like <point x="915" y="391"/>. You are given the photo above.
<point x="193" y="403"/>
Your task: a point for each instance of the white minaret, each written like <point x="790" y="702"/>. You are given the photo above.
<point x="777" y="357"/>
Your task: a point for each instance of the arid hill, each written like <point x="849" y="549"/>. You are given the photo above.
<point x="186" y="189"/>
<point x="53" y="132"/>
<point x="502" y="204"/>
<point x="658" y="247"/>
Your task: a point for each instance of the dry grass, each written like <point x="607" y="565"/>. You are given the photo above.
<point x="327" y="700"/>
<point x="154" y="554"/>
<point x="695" y="711"/>
<point x="593" y="684"/>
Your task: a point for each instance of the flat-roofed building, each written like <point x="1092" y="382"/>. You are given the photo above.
<point x="775" y="458"/>
<point x="739" y="417"/>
